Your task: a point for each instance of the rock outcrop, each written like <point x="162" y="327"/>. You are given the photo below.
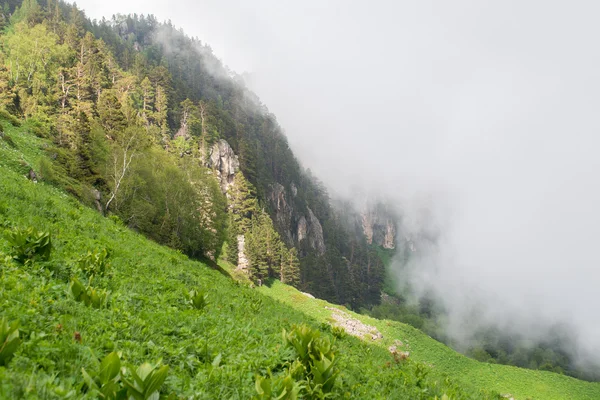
<point x="295" y="225"/>
<point x="314" y="233"/>
<point x="353" y="326"/>
<point x="224" y="162"/>
<point x="284" y="217"/>
<point x="378" y="226"/>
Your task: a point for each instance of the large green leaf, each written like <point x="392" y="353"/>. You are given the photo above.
<point x="9" y="340"/>
<point x="155" y="380"/>
<point x="88" y="380"/>
<point x="109" y="367"/>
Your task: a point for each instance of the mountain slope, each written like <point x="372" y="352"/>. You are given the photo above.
<point x="215" y="353"/>
<point x="518" y="382"/>
<point x="133" y="108"/>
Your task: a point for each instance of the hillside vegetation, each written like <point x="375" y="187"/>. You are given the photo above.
<point x="213" y="352"/>
<point x="134" y="109"/>
<point x="216" y="346"/>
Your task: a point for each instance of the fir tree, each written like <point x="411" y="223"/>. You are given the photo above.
<point x="290" y="267"/>
<point x="109" y="111"/>
<point x="242" y="203"/>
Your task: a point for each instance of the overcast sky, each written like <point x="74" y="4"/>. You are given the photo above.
<point x="485" y="113"/>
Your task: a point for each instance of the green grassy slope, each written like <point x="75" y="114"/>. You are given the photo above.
<point x="212" y="354"/>
<point x="518" y="382"/>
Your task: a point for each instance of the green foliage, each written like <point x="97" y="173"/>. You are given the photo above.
<point x="29" y="244"/>
<point x="281" y="387"/>
<point x="198" y="299"/>
<point x="212" y="356"/>
<point x="9" y="340"/>
<point x="267" y="254"/>
<point x="312" y="373"/>
<point x="111" y="115"/>
<point x="88" y="295"/>
<point x="106" y="382"/>
<point x="114" y="381"/>
<point x="33" y="55"/>
<point x="290" y="267"/>
<point x="242" y="203"/>
<point x="145" y="382"/>
<point x="338" y="332"/>
<point x="14" y="121"/>
<point x="94" y="262"/>
<point x="7" y="139"/>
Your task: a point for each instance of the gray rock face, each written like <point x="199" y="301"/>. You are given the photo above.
<point x="284" y="212"/>
<point x="379" y="227"/>
<point x="296" y="225"/>
<point x="224" y="162"/>
<point x="97" y="198"/>
<point x="315" y="233"/>
<point x="302" y="229"/>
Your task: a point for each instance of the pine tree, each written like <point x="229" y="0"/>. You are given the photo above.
<point x="87" y="170"/>
<point x="256" y="251"/>
<point x="147" y="97"/>
<point x="290" y="267"/>
<point x="83" y="72"/>
<point x="160" y="113"/>
<point x="30" y="12"/>
<point x="188" y="111"/>
<point x="242" y="203"/>
<point x="111" y="116"/>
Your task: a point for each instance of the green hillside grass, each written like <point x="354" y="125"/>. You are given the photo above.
<point x="214" y="353"/>
<point x="518" y="382"/>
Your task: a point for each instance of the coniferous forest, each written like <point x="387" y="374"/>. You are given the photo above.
<point x="134" y="107"/>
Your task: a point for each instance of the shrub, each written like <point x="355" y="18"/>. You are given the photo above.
<point x="88" y="295"/>
<point x="9" y="117"/>
<point x="39" y="127"/>
<point x="312" y="374"/>
<point x="106" y="381"/>
<point x="9" y="340"/>
<point x="338" y="332"/>
<point x="29" y="244"/>
<point x="4" y="136"/>
<point x="94" y="263"/>
<point x="115" y="381"/>
<point x="146" y="382"/>
<point x="284" y="388"/>
<point x="198" y="299"/>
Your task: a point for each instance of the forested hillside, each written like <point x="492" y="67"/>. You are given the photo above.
<point x="137" y="111"/>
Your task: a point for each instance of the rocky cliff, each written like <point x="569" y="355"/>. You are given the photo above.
<point x="224" y="162"/>
<point x="295" y="224"/>
<point x="309" y="228"/>
<point x="379" y="225"/>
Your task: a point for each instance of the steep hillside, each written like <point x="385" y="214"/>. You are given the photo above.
<point x="134" y="108"/>
<point x="213" y="352"/>
<point x="509" y="381"/>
